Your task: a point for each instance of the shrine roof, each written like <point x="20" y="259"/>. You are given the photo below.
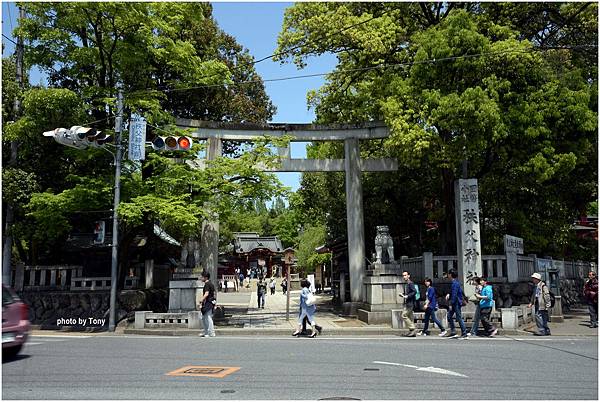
<point x="245" y="243"/>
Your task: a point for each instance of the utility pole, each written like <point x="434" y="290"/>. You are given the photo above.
<point x="115" y="233"/>
<point x="14" y="146"/>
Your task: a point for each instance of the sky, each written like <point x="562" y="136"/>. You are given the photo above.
<point x="255" y="26"/>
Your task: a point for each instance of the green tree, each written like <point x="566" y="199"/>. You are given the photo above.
<point x="155" y="50"/>
<point x="524" y="119"/>
<point x="311" y="238"/>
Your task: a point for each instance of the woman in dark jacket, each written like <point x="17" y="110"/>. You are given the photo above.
<point x="430" y="308"/>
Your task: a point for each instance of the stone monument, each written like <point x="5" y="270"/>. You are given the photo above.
<point x="185" y="290"/>
<point x="383" y="283"/>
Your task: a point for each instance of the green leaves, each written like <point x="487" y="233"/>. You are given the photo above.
<point x="473" y="86"/>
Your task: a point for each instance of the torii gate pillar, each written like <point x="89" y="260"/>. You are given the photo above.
<point x="209" y="240"/>
<point x="355" y="221"/>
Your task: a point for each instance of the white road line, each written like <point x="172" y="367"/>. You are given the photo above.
<point x="144" y="336"/>
<point x="441" y="371"/>
<point x="429" y="369"/>
<point x="61" y="336"/>
<point x="370" y="338"/>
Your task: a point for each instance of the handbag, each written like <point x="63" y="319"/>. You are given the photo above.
<point x="208" y="305"/>
<point x="473" y="299"/>
<point x="310" y="299"/>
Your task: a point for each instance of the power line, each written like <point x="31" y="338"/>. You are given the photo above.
<point x="296" y="47"/>
<point x="98" y="121"/>
<point x="9" y="39"/>
<point x="381" y="66"/>
<point x="324" y="37"/>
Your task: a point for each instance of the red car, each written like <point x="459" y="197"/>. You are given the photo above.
<point x="15" y="323"/>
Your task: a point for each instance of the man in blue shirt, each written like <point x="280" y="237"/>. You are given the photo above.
<point x="454" y="307"/>
<point x="486" y="298"/>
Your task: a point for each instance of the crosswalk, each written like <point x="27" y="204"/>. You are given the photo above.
<point x="35" y="340"/>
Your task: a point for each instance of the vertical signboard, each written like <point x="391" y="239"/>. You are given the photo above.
<point x="513" y="244"/>
<point x="137" y="138"/>
<point x="512" y="247"/>
<point x="468" y="242"/>
<point x="99" y="231"/>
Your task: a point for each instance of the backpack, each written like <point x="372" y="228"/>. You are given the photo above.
<point x="552" y="297"/>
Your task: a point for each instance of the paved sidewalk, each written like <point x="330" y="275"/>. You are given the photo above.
<point x="244" y="318"/>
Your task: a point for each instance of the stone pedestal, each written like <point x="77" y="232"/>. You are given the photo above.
<point x="378" y="269"/>
<point x="555" y="313"/>
<point x="184" y="295"/>
<point x="381" y="295"/>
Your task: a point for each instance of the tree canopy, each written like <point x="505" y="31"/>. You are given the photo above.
<point x="171" y="60"/>
<point x="498" y="85"/>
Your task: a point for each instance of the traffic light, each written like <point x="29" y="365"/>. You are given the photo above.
<point x="92" y="137"/>
<point x="172" y="143"/>
<point x="78" y="137"/>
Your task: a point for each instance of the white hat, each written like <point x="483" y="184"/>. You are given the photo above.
<point x="537" y="276"/>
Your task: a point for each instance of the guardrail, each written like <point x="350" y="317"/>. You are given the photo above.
<point x="44" y="277"/>
<point x="148" y="319"/>
<point x="91" y="283"/>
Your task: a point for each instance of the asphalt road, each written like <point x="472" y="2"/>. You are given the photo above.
<point x="136" y="367"/>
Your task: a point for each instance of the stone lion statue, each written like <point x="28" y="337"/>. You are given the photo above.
<point x="384" y="247"/>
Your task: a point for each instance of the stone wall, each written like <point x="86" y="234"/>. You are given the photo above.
<point x="55" y="309"/>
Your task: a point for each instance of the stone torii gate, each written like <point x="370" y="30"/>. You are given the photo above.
<point x="352" y="164"/>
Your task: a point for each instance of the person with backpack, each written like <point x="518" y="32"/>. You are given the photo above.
<point x="261" y="291"/>
<point x="272" y="286"/>
<point x="486" y="298"/>
<point x="540" y="298"/>
<point x="476" y="317"/>
<point x="284" y="286"/>
<point x="409" y="305"/>
<point x="430" y="309"/>
<point x="455" y="300"/>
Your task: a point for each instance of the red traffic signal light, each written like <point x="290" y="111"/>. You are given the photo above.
<point x="172" y="143"/>
<point x="184" y="143"/>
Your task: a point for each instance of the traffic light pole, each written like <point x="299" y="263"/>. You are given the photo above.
<point x="14" y="145"/>
<point x="115" y="233"/>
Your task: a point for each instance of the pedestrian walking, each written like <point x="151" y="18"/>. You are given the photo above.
<point x="455" y="300"/>
<point x="272" y="286"/>
<point x="430" y="309"/>
<point x="590" y="293"/>
<point x="540" y="298"/>
<point x="475" y="326"/>
<point x="284" y="285"/>
<point x="306" y="310"/>
<point x="261" y="291"/>
<point x="207" y="304"/>
<point x="486" y="299"/>
<point x="241" y="279"/>
<point x="409" y="305"/>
